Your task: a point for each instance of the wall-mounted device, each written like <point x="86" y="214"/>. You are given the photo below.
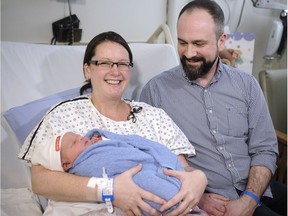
<point x="274" y="38"/>
<point x="269" y="4"/>
<point x="278" y="34"/>
<point x="283" y="17"/>
<point x="66" y="29"/>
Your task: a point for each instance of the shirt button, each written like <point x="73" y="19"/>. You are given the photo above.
<point x="205" y="90"/>
<point x="221" y="148"/>
<point x="229" y="165"/>
<point x="214" y="131"/>
<point x="210" y="111"/>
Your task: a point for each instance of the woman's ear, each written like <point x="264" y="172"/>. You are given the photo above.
<point x="87" y="71"/>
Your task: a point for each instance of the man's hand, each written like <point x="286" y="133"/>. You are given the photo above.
<point x="244" y="206"/>
<point x="129" y="197"/>
<point x="213" y="204"/>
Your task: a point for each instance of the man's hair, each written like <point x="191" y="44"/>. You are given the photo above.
<point x="212" y="8"/>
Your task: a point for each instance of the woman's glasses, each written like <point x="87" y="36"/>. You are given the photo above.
<point x="107" y="65"/>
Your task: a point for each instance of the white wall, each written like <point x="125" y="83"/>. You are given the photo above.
<point x="136" y="20"/>
<point x="256" y="20"/>
<point x="31" y="20"/>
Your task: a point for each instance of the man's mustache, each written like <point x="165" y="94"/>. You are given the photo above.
<point x="194" y="59"/>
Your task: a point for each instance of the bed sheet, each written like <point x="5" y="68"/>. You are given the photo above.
<point x="21" y="200"/>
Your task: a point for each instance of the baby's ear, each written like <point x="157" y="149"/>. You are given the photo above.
<point x="66" y="166"/>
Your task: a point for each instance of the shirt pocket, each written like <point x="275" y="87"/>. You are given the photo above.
<point x="237" y="121"/>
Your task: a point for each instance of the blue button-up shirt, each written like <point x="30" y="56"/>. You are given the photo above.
<point x="228" y="123"/>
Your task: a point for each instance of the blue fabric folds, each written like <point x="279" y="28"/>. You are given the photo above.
<point x="121" y="152"/>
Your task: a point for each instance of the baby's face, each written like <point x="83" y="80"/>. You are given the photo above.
<point x="72" y="145"/>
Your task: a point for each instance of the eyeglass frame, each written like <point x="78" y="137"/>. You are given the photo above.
<point x="111" y="64"/>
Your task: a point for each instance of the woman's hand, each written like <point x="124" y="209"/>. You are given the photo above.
<point x="193" y="185"/>
<point x="129" y="197"/>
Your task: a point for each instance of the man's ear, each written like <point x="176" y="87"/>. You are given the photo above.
<point x="222" y="41"/>
<point x="66" y="166"/>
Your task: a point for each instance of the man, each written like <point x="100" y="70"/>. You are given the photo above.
<point x="224" y="114"/>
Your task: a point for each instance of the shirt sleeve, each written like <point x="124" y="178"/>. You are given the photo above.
<point x="148" y="94"/>
<point x="263" y="146"/>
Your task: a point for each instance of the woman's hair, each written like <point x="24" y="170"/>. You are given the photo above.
<point x="212" y="8"/>
<point x="91" y="48"/>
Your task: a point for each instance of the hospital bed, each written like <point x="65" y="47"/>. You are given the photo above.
<point x="33" y="78"/>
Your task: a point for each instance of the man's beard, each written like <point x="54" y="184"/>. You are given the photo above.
<point x="193" y="73"/>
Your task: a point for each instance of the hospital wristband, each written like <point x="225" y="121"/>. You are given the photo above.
<point x="254" y="196"/>
<point x="104" y="193"/>
<point x="91" y="192"/>
<point x="108" y="195"/>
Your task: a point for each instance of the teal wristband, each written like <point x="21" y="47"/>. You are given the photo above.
<point x="254" y="196"/>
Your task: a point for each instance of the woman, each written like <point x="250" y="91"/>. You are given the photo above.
<point x="106" y="66"/>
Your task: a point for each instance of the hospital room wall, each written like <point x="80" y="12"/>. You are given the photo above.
<point x="250" y="19"/>
<point x="31" y="20"/>
<point x="136" y="20"/>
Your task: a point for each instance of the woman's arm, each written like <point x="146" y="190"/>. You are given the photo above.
<point x="57" y="185"/>
<point x="67" y="187"/>
<point x="185" y="164"/>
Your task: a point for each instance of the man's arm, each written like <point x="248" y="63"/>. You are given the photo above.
<point x="259" y="178"/>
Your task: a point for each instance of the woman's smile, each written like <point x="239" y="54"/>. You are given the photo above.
<point x="113" y="82"/>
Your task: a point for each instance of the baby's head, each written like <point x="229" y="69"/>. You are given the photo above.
<point x="64" y="148"/>
<point x="72" y="145"/>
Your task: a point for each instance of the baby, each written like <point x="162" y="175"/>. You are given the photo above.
<point x="87" y="155"/>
